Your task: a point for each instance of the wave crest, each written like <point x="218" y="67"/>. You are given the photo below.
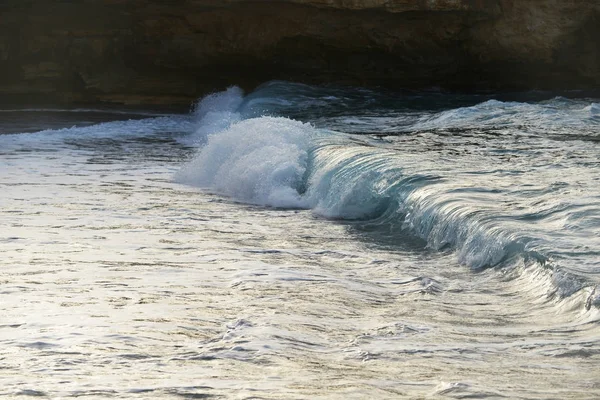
<point x="281" y="162"/>
<point x="260" y="161"/>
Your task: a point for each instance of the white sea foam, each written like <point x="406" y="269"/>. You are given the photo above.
<point x="261" y="161"/>
<point x="132" y="127"/>
<point x="215" y="113"/>
<point x="226" y="101"/>
<point x="555" y="113"/>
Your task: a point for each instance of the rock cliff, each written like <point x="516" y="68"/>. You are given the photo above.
<point x="167" y="52"/>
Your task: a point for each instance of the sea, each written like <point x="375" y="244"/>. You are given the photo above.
<point x="303" y="242"/>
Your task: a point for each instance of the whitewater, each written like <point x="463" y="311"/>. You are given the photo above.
<point x="303" y="242"/>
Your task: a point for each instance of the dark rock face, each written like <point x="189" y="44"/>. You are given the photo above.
<point x="162" y="52"/>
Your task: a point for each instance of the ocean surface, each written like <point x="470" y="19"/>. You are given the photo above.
<point x="305" y="243"/>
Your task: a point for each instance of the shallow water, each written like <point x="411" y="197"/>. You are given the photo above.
<point x="387" y="246"/>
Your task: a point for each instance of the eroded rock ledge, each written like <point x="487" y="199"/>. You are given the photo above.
<point x="159" y="52"/>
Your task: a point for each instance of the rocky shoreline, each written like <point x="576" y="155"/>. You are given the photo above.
<point x="170" y="53"/>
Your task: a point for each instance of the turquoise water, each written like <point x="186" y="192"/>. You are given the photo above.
<point x="304" y="242"/>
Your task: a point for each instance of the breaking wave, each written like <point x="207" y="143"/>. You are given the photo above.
<point x="261" y="158"/>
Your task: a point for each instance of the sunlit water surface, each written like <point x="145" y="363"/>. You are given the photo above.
<point x="398" y="246"/>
